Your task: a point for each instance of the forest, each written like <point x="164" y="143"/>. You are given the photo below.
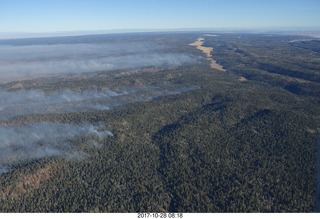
<point x="158" y="129"/>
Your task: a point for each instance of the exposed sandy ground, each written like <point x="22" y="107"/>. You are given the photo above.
<point x="211" y="35"/>
<point x="207" y="51"/>
<point x="242" y="79"/>
<point x="18" y="85"/>
<point x="27" y="184"/>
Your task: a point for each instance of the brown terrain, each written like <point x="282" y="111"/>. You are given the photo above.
<point x="242" y="79"/>
<point x="28" y="183"/>
<point x="207" y="51"/>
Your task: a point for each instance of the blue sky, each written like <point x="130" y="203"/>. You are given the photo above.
<point x="74" y="15"/>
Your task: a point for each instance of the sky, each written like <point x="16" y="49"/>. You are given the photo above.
<point x="43" y="16"/>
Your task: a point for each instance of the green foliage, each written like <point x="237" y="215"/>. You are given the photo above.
<point x="229" y="146"/>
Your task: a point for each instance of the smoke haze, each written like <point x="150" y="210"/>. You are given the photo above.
<point x="46" y="139"/>
<point x="49" y="139"/>
<point x="32" y="61"/>
<point x="21" y="143"/>
<point x="26" y="102"/>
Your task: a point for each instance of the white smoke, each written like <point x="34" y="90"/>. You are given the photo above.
<point x="32" y="61"/>
<point x="47" y="139"/>
<point x="26" y="102"/>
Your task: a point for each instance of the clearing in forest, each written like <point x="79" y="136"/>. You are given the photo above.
<point x="207" y="51"/>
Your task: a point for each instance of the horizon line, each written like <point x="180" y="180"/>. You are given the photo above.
<point x="276" y="29"/>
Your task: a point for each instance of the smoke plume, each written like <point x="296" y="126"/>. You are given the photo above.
<point x="47" y="139"/>
<point x="32" y="61"/>
<point x="26" y="102"/>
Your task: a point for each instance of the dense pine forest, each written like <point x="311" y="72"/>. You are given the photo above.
<point x="178" y="136"/>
